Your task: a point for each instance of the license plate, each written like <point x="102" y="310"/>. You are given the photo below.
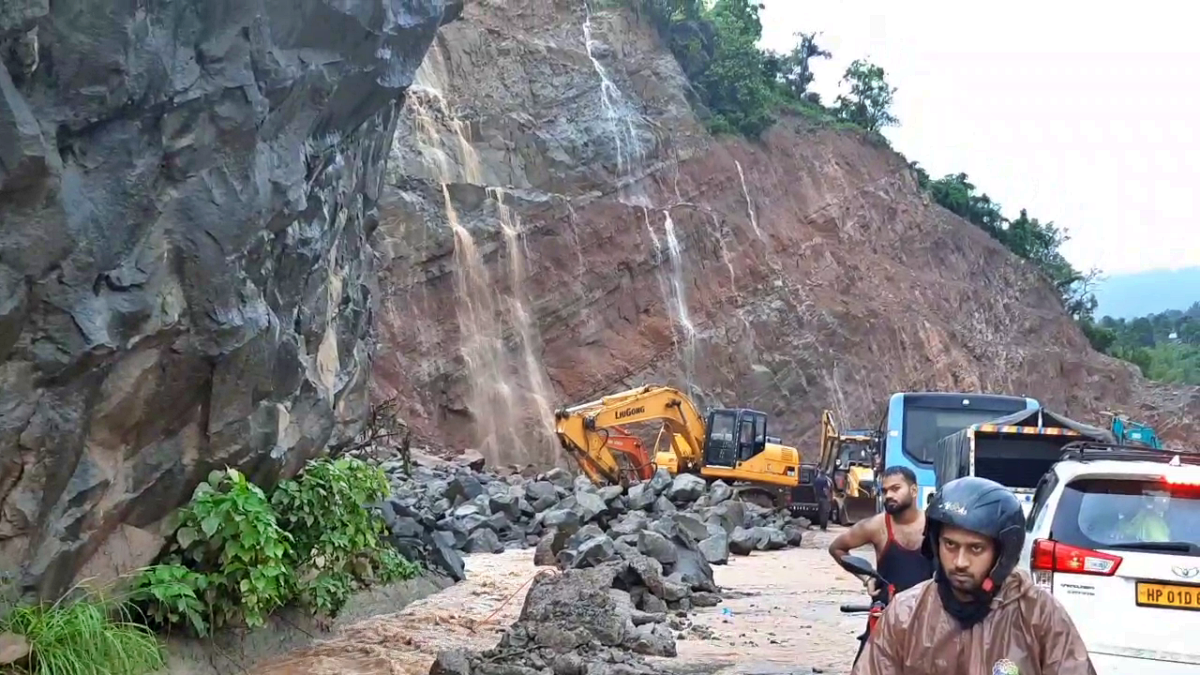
<point x="1168" y="595"/>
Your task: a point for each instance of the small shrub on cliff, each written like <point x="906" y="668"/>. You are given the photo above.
<point x="173" y="596"/>
<point x="338" y="543"/>
<point x="84" y="636"/>
<point x="239" y="555"/>
<point x="229" y="552"/>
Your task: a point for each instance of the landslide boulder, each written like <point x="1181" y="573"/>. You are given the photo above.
<point x="186" y="189"/>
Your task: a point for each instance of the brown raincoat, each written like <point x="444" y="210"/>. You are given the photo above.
<point x="1027" y="633"/>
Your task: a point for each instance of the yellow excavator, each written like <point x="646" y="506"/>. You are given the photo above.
<point x="730" y="444"/>
<point x="849" y="459"/>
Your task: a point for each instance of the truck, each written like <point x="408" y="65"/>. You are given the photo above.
<point x="1015" y="450"/>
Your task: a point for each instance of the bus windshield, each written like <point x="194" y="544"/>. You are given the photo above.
<point x="924" y="427"/>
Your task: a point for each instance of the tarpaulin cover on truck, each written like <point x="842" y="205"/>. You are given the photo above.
<point x="1035" y="436"/>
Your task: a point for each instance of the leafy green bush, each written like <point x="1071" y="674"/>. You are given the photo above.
<point x="238" y="554"/>
<point x="337" y="541"/>
<point x="174" y="595"/>
<point x="86" y="636"/>
<point x="230" y="539"/>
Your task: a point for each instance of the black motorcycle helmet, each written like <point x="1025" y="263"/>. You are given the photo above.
<point x="982" y="506"/>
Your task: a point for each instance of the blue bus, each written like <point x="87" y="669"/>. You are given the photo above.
<point x="915" y="422"/>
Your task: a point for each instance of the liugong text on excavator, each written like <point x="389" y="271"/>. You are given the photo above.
<point x="729" y="443"/>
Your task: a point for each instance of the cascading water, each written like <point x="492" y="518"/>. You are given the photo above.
<point x="617" y="109"/>
<point x="681" y="308"/>
<point x="749" y="203"/>
<point x="522" y="321"/>
<point x="496" y="405"/>
<point x="658" y="255"/>
<point x="621" y="117"/>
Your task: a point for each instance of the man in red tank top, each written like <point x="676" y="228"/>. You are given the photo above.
<point x="895" y="534"/>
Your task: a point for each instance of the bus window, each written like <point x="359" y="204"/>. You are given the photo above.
<point x="924" y="427"/>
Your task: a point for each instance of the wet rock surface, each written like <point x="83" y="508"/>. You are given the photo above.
<point x="186" y="193"/>
<point x="669" y="531"/>
<point x="580" y="621"/>
<point x="824" y="278"/>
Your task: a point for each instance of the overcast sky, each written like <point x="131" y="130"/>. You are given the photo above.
<point x="1085" y="114"/>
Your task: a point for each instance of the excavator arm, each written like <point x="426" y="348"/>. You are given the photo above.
<point x="585" y="430"/>
<point x="853" y="483"/>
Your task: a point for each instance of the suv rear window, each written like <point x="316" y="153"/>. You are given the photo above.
<point x="1111" y="512"/>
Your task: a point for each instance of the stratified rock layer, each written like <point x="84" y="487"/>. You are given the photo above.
<point x="186" y="193"/>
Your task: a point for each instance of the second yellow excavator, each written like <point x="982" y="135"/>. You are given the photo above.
<point x="730" y="444"/>
<point x="850" y="459"/>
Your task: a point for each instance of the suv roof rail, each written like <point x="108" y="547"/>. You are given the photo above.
<point x="1084" y="451"/>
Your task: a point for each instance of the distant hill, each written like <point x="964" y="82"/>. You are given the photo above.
<point x="1133" y="295"/>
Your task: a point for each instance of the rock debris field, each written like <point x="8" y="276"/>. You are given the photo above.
<point x="625" y="577"/>
<point x="681" y="523"/>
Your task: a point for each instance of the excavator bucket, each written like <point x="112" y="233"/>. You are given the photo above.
<point x="630" y="455"/>
<point x="857" y="508"/>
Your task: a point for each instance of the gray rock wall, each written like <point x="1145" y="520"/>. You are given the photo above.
<point x="186" y="192"/>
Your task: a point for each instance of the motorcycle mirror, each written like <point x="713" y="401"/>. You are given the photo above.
<point x="857" y="565"/>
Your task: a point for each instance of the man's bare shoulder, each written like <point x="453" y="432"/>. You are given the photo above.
<point x="876" y="523"/>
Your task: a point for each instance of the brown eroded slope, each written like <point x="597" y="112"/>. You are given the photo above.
<point x="824" y="279"/>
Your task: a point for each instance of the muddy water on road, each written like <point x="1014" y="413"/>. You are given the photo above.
<point x="469" y="614"/>
<point x="782" y="613"/>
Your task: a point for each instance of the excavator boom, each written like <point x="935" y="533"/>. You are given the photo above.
<point x="582" y="428"/>
<point x="731" y="444"/>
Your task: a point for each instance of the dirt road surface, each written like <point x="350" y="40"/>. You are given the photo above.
<point x="781" y="613"/>
<point x="780" y="616"/>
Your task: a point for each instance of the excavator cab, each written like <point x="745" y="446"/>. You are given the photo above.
<point x="734" y="435"/>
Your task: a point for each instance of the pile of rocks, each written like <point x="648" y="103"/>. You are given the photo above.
<point x="576" y="623"/>
<point x="439" y="510"/>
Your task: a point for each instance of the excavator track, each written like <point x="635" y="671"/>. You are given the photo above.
<point x="767" y="497"/>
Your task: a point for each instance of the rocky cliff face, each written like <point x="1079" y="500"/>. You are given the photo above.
<point x="186" y="193"/>
<point x="803" y="272"/>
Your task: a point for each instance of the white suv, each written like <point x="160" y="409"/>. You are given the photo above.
<point x="1114" y="534"/>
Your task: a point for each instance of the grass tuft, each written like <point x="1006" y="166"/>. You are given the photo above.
<point x="87" y="636"/>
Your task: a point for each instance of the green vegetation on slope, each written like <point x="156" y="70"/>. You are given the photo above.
<point x="740" y="87"/>
<point x="1166" y="346"/>
<point x="86" y="635"/>
<point x="237" y="555"/>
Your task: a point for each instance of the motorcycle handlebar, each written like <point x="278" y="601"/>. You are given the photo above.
<point x="855" y="609"/>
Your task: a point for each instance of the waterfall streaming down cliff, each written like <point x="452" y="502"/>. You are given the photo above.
<point x="510" y="395"/>
<point x="684" y="319"/>
<point x="617" y="109"/>
<point x="622" y="117"/>
<point x="749" y="202"/>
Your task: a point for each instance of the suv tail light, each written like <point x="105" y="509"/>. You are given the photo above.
<point x="1050" y="556"/>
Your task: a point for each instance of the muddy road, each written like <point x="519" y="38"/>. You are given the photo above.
<point x="781" y="615"/>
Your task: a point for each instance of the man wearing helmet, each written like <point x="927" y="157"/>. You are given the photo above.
<point x="979" y="615"/>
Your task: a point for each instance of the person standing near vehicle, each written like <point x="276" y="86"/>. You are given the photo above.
<point x="896" y="535"/>
<point x="823" y="486"/>
<point x="1149" y="524"/>
<point x="979" y="615"/>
